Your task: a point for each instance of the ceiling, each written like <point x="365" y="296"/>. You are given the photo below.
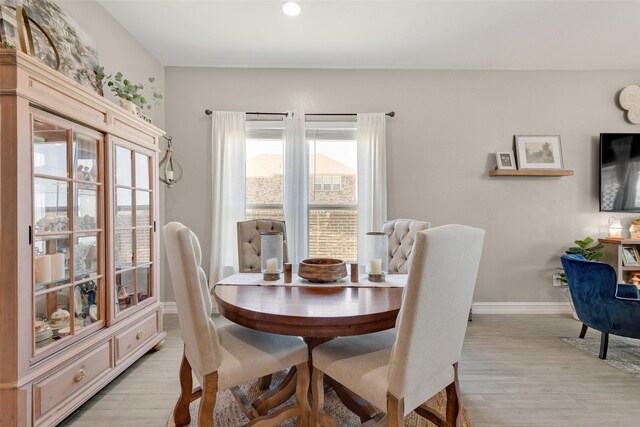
<point x="529" y="35"/>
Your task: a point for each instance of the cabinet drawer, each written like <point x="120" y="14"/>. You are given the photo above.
<point x="71" y="379"/>
<point x="135" y="336"/>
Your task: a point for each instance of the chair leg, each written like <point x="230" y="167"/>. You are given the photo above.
<point x="181" y="411"/>
<point x="454" y="402"/>
<point x="395" y="411"/>
<point x="604" y="344"/>
<point x="264" y="382"/>
<point x="583" y="331"/>
<point x="317" y="396"/>
<point x="302" y="394"/>
<point x="208" y="400"/>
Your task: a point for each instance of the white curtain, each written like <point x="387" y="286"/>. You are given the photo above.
<point x="296" y="185"/>
<point x="372" y="177"/>
<point x="228" y="164"/>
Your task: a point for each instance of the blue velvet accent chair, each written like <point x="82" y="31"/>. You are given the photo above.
<point x="600" y="302"/>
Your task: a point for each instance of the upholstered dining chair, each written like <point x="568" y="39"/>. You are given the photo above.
<point x="249" y="242"/>
<point x="398" y="370"/>
<point x="402" y="234"/>
<point x="249" y="239"/>
<point x="223" y="358"/>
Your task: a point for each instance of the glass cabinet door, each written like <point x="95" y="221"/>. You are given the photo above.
<point x="133" y="235"/>
<point x="68" y="230"/>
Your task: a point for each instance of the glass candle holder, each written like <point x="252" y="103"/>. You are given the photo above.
<point x="271" y="244"/>
<point x="615" y="228"/>
<point x="377" y="264"/>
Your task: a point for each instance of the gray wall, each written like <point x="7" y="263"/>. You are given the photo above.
<point x="440" y="147"/>
<point x="119" y="51"/>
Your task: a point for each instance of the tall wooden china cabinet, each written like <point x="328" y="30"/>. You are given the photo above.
<point x="78" y="242"/>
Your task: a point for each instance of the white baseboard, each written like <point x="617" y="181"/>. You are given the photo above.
<point x="521" y="308"/>
<point x="479" y="308"/>
<point x="170" y="307"/>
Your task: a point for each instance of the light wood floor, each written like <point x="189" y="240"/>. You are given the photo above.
<point x="515" y="371"/>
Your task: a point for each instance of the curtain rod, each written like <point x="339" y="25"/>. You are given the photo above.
<point x="389" y="114"/>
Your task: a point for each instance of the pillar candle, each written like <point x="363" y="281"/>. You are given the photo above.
<point x="169" y="175"/>
<point x="57" y="267"/>
<point x="375" y="266"/>
<point x="43" y="269"/>
<point x="272" y="265"/>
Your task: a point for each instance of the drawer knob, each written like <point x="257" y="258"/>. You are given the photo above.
<point x="80" y="375"/>
<point x="140" y="335"/>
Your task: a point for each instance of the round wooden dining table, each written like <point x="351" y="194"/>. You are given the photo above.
<point x="317" y="314"/>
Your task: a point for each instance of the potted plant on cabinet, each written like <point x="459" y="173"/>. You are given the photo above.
<point x="134" y="97"/>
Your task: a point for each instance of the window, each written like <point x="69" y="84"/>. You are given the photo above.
<point x="337" y="183"/>
<point x="264" y="167"/>
<point x="333" y="204"/>
<point x="327" y="183"/>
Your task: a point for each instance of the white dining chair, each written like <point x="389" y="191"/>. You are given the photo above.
<point x="249" y="239"/>
<point x="399" y="370"/>
<point x="402" y="234"/>
<point x="229" y="356"/>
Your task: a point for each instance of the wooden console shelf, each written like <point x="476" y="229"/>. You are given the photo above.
<point x="615" y="241"/>
<point x="613" y="255"/>
<point x="531" y="172"/>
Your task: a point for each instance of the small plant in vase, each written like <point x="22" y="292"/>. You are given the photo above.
<point x="634" y="229"/>
<point x="586" y="248"/>
<point x="134" y="97"/>
<point x="590" y="250"/>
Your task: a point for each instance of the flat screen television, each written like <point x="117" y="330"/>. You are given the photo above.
<point x="620" y="172"/>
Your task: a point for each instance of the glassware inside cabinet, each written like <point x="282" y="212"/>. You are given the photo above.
<point x="86" y="300"/>
<point x="50" y="205"/>
<point x="125" y="290"/>
<point x="67" y="226"/>
<point x="85" y="263"/>
<point x="85" y="158"/>
<point x="53" y="316"/>
<point x="85" y="207"/>
<point x="51" y="262"/>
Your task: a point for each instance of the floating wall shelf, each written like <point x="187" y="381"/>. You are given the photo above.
<point x="531" y="172"/>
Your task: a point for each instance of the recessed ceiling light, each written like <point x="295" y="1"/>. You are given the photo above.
<point x="291" y="8"/>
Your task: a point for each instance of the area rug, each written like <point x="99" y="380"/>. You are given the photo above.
<point x="228" y="414"/>
<point x="623" y="353"/>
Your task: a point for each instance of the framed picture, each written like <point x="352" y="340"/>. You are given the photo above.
<point x="630" y="256"/>
<point x="78" y="52"/>
<point x="539" y="152"/>
<point x="505" y="160"/>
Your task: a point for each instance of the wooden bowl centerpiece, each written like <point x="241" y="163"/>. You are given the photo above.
<point x="322" y="270"/>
